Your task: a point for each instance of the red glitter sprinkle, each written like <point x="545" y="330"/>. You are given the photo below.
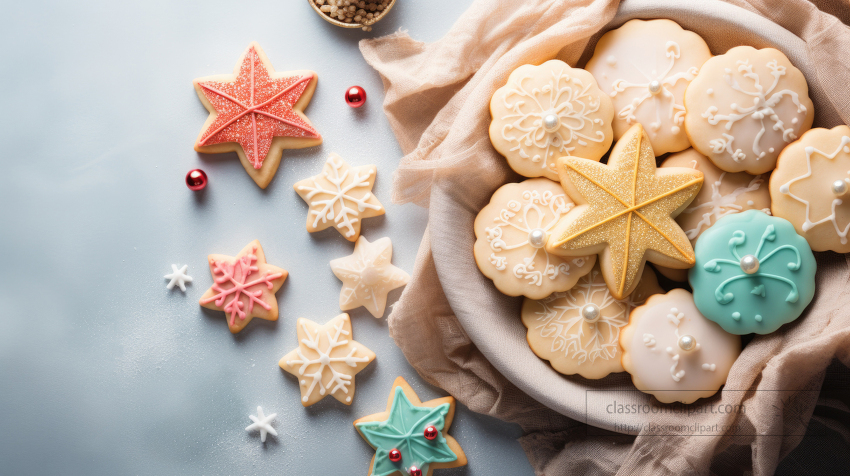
<point x="255" y="108"/>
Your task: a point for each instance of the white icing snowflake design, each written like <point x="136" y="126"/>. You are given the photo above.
<point x="675" y="318"/>
<point x="524" y="217"/>
<point x="324" y="193"/>
<point x="675" y="112"/>
<point x="561" y="320"/>
<point x="721" y="205"/>
<point x="326" y="357"/>
<point x="785" y="188"/>
<point x="565" y="96"/>
<point x="761" y="109"/>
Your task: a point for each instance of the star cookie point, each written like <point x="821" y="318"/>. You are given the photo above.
<point x="326" y="360"/>
<point x="257" y="112"/>
<point x="625" y="211"/>
<point x="244" y="287"/>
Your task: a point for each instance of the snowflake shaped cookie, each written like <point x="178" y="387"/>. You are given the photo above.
<point x="244" y="287"/>
<point x="548" y="111"/>
<point x="645" y="66"/>
<point x="511" y="232"/>
<point x="722" y="193"/>
<point x="810" y="188"/>
<point x="578" y="330"/>
<point x="367" y="276"/>
<point x="411" y="436"/>
<point x="341" y="196"/>
<point x="745" y="106"/>
<point x="326" y="360"/>
<point x="257" y="113"/>
<point x="673" y="352"/>
<point x="753" y="273"/>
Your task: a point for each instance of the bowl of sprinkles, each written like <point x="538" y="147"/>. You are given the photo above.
<point x="352" y="13"/>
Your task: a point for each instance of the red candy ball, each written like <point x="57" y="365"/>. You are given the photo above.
<point x="395" y="455"/>
<point x="196" y="179"/>
<point x="414" y="471"/>
<point x="431" y="432"/>
<point x="355" y="96"/>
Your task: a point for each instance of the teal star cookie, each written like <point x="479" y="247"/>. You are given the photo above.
<point x="410" y="437"/>
<point x="753" y="273"/>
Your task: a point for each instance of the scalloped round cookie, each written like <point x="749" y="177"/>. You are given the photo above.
<point x="511" y="232"/>
<point x="578" y="330"/>
<point x="546" y="112"/>
<point x="722" y="193"/>
<point x="645" y="66"/>
<point x="673" y="352"/>
<point x="811" y="188"/>
<point x="745" y="106"/>
<point x="753" y="273"/>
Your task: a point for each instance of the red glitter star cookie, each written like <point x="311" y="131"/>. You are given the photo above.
<point x="257" y="113"/>
<point x="244" y="287"/>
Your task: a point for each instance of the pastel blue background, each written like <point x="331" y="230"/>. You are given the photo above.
<point x="103" y="370"/>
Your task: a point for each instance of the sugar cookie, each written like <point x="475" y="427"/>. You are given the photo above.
<point x="745" y="106"/>
<point x="578" y="330"/>
<point x="548" y="111"/>
<point x="367" y="276"/>
<point x="326" y="360"/>
<point x="257" y="113"/>
<point x="411" y="436"/>
<point x="722" y="194"/>
<point x="511" y="232"/>
<point x="645" y="67"/>
<point x="810" y="187"/>
<point x="753" y="273"/>
<point x="341" y="196"/>
<point x="673" y="352"/>
<point x="244" y="286"/>
<point x="625" y="212"/>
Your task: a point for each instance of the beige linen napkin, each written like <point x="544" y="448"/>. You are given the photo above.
<point x="437" y="98"/>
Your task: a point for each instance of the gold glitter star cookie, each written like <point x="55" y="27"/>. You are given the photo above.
<point x="326" y="360"/>
<point x="625" y="212"/>
<point x="244" y="286"/>
<point x="341" y="196"/>
<point x="367" y="276"/>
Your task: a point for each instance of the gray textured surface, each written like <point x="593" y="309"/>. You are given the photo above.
<point x="103" y="370"/>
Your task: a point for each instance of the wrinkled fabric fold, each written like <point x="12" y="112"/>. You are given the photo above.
<point x="437" y="103"/>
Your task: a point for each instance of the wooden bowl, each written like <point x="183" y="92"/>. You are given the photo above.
<point x="336" y="22"/>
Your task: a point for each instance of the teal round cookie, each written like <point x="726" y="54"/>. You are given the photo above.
<point x="753" y="273"/>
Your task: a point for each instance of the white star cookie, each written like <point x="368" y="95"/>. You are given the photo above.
<point x="262" y="423"/>
<point x="367" y="276"/>
<point x="326" y="360"/>
<point x="340" y="196"/>
<point x="178" y="277"/>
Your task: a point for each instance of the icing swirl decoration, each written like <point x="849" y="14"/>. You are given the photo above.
<point x="244" y="287"/>
<point x="411" y="435"/>
<point x="511" y="236"/>
<point x="753" y="273"/>
<point x="673" y="352"/>
<point x="810" y="188"/>
<point x="625" y="208"/>
<point x="645" y="66"/>
<point x="578" y="330"/>
<point x="257" y="112"/>
<point x="341" y="196"/>
<point x="548" y="111"/>
<point x="758" y="104"/>
<point x="326" y="360"/>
